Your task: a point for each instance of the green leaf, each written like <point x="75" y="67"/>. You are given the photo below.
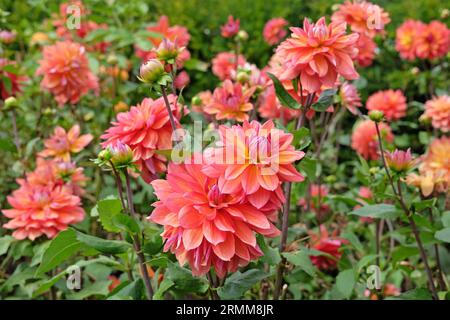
<point x="423" y="204"/>
<point x="98" y="288"/>
<point x="414" y="294"/>
<point x="354" y="240"/>
<point x="102" y="245"/>
<point x="195" y="64"/>
<point x="64" y="246"/>
<point x="443" y="235"/>
<point x="301" y="260"/>
<point x="125" y="223"/>
<point x="325" y="100"/>
<point x="365" y="261"/>
<point x="302" y="138"/>
<point x="5" y="243"/>
<point x="308" y="166"/>
<point x="184" y="280"/>
<point x="238" y="283"/>
<point x="401" y="253"/>
<point x="107" y="209"/>
<point x="446" y="219"/>
<point x="165" y="285"/>
<point x="271" y="255"/>
<point x="283" y="96"/>
<point x="345" y="282"/>
<point x="381" y="211"/>
<point x="132" y="291"/>
<point x="7" y="145"/>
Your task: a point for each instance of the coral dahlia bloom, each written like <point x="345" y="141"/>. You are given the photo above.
<point x="42" y="210"/>
<point x="254" y="159"/>
<point x="328" y="244"/>
<point x="16" y="81"/>
<point x="145" y="128"/>
<point x="231" y="102"/>
<point x="224" y="64"/>
<point x="274" y="30"/>
<point x="365" y="141"/>
<point x="366" y="50"/>
<point x="177" y="34"/>
<point x="438" y="110"/>
<point x="231" y="28"/>
<point x="434" y="41"/>
<point x="391" y="103"/>
<point x="399" y="161"/>
<point x="271" y="108"/>
<point x="66" y="72"/>
<point x="318" y="53"/>
<point x="61" y="144"/>
<point x="204" y="226"/>
<point x="437" y="158"/>
<point x="350" y="98"/>
<point x="406" y="38"/>
<point x="362" y="16"/>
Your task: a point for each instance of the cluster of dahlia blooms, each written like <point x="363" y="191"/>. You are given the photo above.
<point x="438" y="111"/>
<point x="391" y="102"/>
<point x="66" y="72"/>
<point x="15" y="80"/>
<point x="75" y="8"/>
<point x="366" y="19"/>
<point x="434" y="169"/>
<point x="145" y="128"/>
<point x="211" y="211"/>
<point x="48" y="198"/>
<point x="364" y="139"/>
<point x="415" y="39"/>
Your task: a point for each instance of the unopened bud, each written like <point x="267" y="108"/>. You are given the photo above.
<point x="121" y="154"/>
<point x="424" y="120"/>
<point x="104" y="155"/>
<point x="415" y="71"/>
<point x="242" y="35"/>
<point x="112" y="59"/>
<point x="374" y="170"/>
<point x="151" y="71"/>
<point x="242" y="77"/>
<point x="168" y="51"/>
<point x="376" y="115"/>
<point x="196" y="101"/>
<point x="11" y="103"/>
<point x="445" y="13"/>
<point x="120" y="107"/>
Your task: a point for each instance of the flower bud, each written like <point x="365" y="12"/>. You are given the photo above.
<point x="415" y="71"/>
<point x="151" y="71"/>
<point x="425" y="120"/>
<point x="400" y="161"/>
<point x="374" y="170"/>
<point x="196" y="101"/>
<point x="112" y="59"/>
<point x="376" y="115"/>
<point x="120" y="107"/>
<point x="242" y="77"/>
<point x="168" y="51"/>
<point x="445" y="13"/>
<point x="7" y="37"/>
<point x="242" y="35"/>
<point x="331" y="179"/>
<point x="104" y="155"/>
<point x="121" y="154"/>
<point x="11" y="103"/>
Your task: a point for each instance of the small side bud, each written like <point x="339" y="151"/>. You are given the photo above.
<point x="196" y="101"/>
<point x="376" y="116"/>
<point x="121" y="155"/>
<point x="11" y="103"/>
<point x="242" y="35"/>
<point x="151" y="71"/>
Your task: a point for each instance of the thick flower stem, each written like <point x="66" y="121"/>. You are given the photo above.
<point x="399" y="196"/>
<point x="136" y="241"/>
<point x="212" y="286"/>
<point x="169" y="109"/>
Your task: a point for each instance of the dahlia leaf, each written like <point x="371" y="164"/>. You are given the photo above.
<point x="443" y="235"/>
<point x="102" y="245"/>
<point x="302" y="138"/>
<point x="165" y="285"/>
<point x="301" y="260"/>
<point x="125" y="223"/>
<point x="107" y="209"/>
<point x="325" y="100"/>
<point x="5" y="243"/>
<point x="64" y="246"/>
<point x="128" y="291"/>
<point x="271" y="255"/>
<point x="381" y="211"/>
<point x="345" y="282"/>
<point x="283" y="96"/>
<point x="184" y="280"/>
<point x="238" y="283"/>
<point x="414" y="294"/>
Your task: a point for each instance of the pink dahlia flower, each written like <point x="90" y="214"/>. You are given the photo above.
<point x="365" y="141"/>
<point x="438" y="110"/>
<point x="350" y="98"/>
<point x="145" y="128"/>
<point x="318" y="53"/>
<point x="391" y="102"/>
<point x="274" y="30"/>
<point x="204" y="226"/>
<point x="66" y="72"/>
<point x="231" y="28"/>
<point x="224" y="64"/>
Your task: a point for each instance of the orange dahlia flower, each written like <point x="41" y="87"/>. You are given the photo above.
<point x="42" y="210"/>
<point x="406" y="38"/>
<point x="224" y="64"/>
<point x="366" y="50"/>
<point x="145" y="128"/>
<point x="362" y="17"/>
<point x="350" y="98"/>
<point x="274" y="30"/>
<point x="61" y="144"/>
<point x="391" y="103"/>
<point x="434" y="41"/>
<point x="254" y="159"/>
<point x="204" y="226"/>
<point x="365" y="141"/>
<point x="66" y="72"/>
<point x="437" y="158"/>
<point x="231" y="101"/>
<point x="438" y="110"/>
<point x="318" y="53"/>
